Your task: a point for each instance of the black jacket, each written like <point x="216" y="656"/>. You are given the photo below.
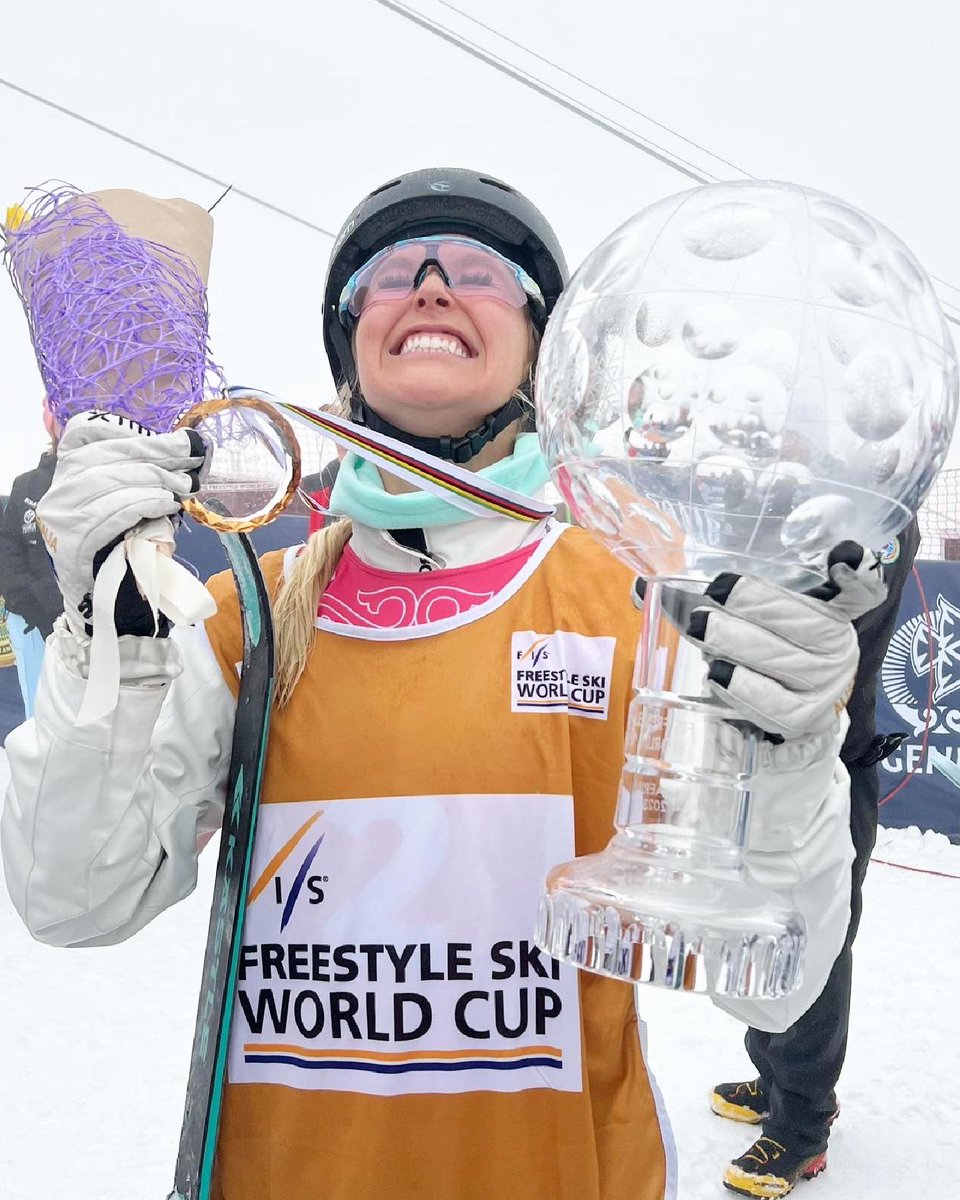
<point x="874" y="631"/>
<point x="27" y="581"/>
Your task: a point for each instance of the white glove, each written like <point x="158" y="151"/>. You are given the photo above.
<point x="786" y="661"/>
<point x="115" y="489"/>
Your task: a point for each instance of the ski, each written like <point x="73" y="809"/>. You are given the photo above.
<point x="208" y="1061"/>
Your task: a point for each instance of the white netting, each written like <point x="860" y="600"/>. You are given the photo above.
<point x="249" y="468"/>
<point x="940" y="518"/>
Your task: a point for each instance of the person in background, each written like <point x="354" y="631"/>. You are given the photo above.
<point x="793" y="1096"/>
<point x="27" y="581"/>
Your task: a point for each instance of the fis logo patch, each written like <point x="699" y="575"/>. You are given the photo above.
<point x="561" y="672"/>
<point x="890" y="552"/>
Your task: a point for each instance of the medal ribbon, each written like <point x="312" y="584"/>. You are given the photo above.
<point x="467" y="490"/>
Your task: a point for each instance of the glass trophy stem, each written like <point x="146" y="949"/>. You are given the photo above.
<point x="669" y="901"/>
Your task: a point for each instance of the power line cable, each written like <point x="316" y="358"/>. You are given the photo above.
<point x="593" y="87"/>
<point x="122" y="137"/>
<point x="623" y="104"/>
<point x="552" y="93"/>
<point x="566" y="101"/>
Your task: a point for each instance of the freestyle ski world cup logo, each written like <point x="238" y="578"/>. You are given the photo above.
<point x="366" y="965"/>
<point x="561" y="672"/>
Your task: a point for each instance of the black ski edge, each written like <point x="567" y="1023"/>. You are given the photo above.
<point x="207" y="1073"/>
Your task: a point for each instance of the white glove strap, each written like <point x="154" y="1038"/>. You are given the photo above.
<point x="167" y="587"/>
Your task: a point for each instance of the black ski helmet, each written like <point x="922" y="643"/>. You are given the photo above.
<point x="438" y="200"/>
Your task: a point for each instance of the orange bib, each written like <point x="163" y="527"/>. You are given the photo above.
<point x="397" y="1034"/>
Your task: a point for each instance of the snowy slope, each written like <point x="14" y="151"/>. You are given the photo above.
<point x="899" y="1132"/>
<point x="94" y="1047"/>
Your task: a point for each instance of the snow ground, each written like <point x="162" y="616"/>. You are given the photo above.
<point x="94" y="1046"/>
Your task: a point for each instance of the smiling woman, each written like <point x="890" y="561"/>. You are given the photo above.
<point x="447" y="254"/>
<point x="452" y="695"/>
<point x="435" y="358"/>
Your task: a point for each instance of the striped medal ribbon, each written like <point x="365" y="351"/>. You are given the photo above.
<point x="467" y="490"/>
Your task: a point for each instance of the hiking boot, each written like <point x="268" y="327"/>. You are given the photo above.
<point x="745" y="1102"/>
<point x="769" y="1168"/>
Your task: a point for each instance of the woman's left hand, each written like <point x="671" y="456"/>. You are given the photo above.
<point x="786" y="661"/>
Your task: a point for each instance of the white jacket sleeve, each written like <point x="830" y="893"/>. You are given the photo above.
<point x="799" y="844"/>
<point x="102" y="824"/>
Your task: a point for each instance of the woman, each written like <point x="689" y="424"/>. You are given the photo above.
<point x="397" y="1033"/>
<point x="26" y="575"/>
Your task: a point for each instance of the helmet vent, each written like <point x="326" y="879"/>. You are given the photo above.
<point x="498" y="183"/>
<point x="385" y="187"/>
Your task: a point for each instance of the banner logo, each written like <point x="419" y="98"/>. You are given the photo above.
<point x="920" y="656"/>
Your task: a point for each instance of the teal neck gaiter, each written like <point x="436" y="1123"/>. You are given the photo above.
<point x="359" y="492"/>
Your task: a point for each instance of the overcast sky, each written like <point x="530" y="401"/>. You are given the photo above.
<point x="311" y="106"/>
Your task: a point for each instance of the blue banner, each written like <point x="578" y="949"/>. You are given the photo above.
<point x="919" y="694"/>
<point x="199" y="548"/>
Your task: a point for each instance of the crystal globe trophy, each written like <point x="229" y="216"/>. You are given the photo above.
<point x="739" y="378"/>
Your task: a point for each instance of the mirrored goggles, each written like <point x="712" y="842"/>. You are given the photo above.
<point x="468" y="268"/>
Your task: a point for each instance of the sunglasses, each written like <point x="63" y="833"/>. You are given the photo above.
<point x="468" y="268"/>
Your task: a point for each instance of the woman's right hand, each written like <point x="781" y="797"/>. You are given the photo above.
<point x="112" y="476"/>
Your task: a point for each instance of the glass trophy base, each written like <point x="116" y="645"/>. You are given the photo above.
<point x="645" y="914"/>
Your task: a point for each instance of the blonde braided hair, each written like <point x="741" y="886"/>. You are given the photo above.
<point x="298" y="595"/>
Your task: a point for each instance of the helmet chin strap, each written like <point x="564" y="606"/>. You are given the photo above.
<point x="459" y="449"/>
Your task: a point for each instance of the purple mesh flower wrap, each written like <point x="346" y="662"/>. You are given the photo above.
<point x="118" y="323"/>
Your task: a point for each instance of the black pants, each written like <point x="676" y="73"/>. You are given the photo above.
<point x="801" y="1066"/>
